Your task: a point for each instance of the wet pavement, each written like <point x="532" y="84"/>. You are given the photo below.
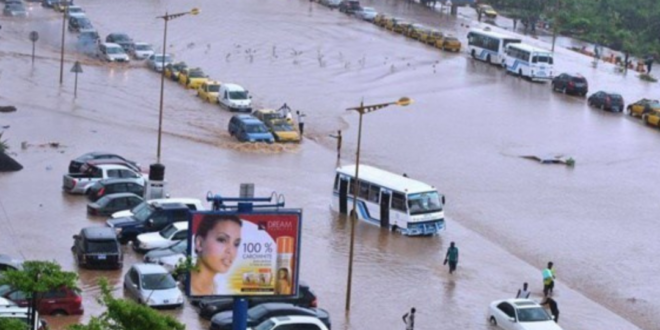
<point x="464" y="134"/>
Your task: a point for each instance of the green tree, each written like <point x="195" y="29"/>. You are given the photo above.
<point x="3" y="144"/>
<point x="122" y="314"/>
<point x="12" y="324"/>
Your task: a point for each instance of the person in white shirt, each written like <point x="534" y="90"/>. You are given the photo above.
<point x="301" y="121"/>
<point x="524" y="292"/>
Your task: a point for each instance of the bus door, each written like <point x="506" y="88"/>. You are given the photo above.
<point x="385" y="197"/>
<point x="343" y="195"/>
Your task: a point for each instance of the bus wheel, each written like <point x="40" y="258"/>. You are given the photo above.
<point x="488" y="59"/>
<point x="474" y="54"/>
<point x="519" y="73"/>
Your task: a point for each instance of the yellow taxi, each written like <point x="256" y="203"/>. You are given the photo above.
<point x="209" y="90"/>
<point x="449" y="43"/>
<point x="172" y="70"/>
<point x="642" y="107"/>
<point x="192" y="77"/>
<point x="401" y="26"/>
<point x="380" y="19"/>
<point x="61" y="6"/>
<point x="415" y="31"/>
<point x="390" y="22"/>
<point x="282" y="130"/>
<point x="431" y="36"/>
<point x="652" y="118"/>
<point x="487" y="11"/>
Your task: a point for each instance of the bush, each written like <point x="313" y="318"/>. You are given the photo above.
<point x="647" y="77"/>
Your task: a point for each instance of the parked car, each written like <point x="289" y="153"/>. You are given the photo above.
<point x="431" y="36"/>
<point x="141" y="50"/>
<point x="331" y="3"/>
<point x="7" y="262"/>
<point x="9" y="310"/>
<point x="211" y="306"/>
<point x="349" y="6"/>
<point x="110" y="186"/>
<point x="74" y="11"/>
<point x="192" y="203"/>
<point x="14" y="10"/>
<point x="449" y="43"/>
<point x="113" y="53"/>
<point x="652" y="118"/>
<point x="155" y="61"/>
<point x="281" y="129"/>
<point x="192" y="77"/>
<point x="234" y="97"/>
<point x="153" y="286"/>
<point x="292" y="322"/>
<point x="570" y="84"/>
<point x="113" y="203"/>
<point x="643" y="106"/>
<point x="78" y="183"/>
<point x="76" y="163"/>
<point x="606" y="101"/>
<point x="263" y="312"/>
<point x="247" y="128"/>
<point x="61" y="301"/>
<point x="209" y="91"/>
<point x="381" y="19"/>
<point x="172" y="70"/>
<point x="62" y="5"/>
<point x="520" y="314"/>
<point x="166" y="237"/>
<point x="170" y="263"/>
<point x="415" y="31"/>
<point x="154" y="256"/>
<point x="97" y="247"/>
<point x="78" y="23"/>
<point x="366" y="13"/>
<point x="400" y="26"/>
<point x="88" y="37"/>
<point x="150" y="219"/>
<point x="121" y="39"/>
<point x="109" y="161"/>
<point x="487" y="11"/>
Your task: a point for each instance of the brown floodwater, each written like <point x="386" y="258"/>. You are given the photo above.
<point x="464" y="134"/>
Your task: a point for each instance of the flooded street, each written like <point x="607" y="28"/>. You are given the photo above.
<point x="465" y="134"/>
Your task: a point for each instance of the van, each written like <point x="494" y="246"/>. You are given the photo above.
<point x="234" y="98"/>
<point x="112" y="52"/>
<point x="247" y="128"/>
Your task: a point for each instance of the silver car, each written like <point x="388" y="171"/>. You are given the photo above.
<point x="153" y="286"/>
<point x="155" y="61"/>
<point x="366" y="13"/>
<point x="15" y="10"/>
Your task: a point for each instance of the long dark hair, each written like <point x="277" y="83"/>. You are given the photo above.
<point x="209" y="221"/>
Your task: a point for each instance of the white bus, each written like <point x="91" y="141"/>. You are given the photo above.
<point x="527" y="61"/>
<point x="390" y="200"/>
<point x="489" y="46"/>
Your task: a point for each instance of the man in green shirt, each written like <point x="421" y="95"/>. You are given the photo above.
<point x="452" y="257"/>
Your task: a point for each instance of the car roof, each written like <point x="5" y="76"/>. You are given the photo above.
<point x="175" y="200"/>
<point x="295" y="319"/>
<point x="119" y="195"/>
<point x="110" y="181"/>
<point x="149" y="268"/>
<point x="521" y="303"/>
<point x="233" y="86"/>
<point x="99" y="233"/>
<point x="278" y="306"/>
<point x="110" y="44"/>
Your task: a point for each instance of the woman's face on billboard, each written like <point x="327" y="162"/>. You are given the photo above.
<point x="219" y="247"/>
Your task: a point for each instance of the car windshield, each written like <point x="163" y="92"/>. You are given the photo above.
<point x="256" y="128"/>
<point x="161" y="281"/>
<point x="143" y="47"/>
<point x="535" y="314"/>
<point x="180" y="247"/>
<point x="143" y="214"/>
<point x="214" y="88"/>
<point x="75" y="10"/>
<point x="424" y="203"/>
<point x="238" y="95"/>
<point x="196" y="74"/>
<point x="265" y="325"/>
<point x="114" y="50"/>
<point x="121" y="37"/>
<point x="104" y="246"/>
<point x="168" y="231"/>
<point x="159" y="58"/>
<point x="616" y="97"/>
<point x="282" y="127"/>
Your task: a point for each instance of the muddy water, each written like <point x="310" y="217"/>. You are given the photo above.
<point x="465" y="132"/>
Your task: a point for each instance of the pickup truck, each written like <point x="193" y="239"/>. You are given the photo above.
<point x="148" y="219"/>
<point x="78" y="183"/>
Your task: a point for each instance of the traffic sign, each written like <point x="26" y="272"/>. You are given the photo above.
<point x="34" y="36"/>
<point x="77" y="68"/>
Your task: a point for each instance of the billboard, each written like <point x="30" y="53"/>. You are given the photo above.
<point x="244" y="254"/>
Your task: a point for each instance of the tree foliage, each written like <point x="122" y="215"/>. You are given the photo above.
<point x="12" y="324"/>
<point x="3" y="144"/>
<point x="122" y="314"/>
<point x="39" y="277"/>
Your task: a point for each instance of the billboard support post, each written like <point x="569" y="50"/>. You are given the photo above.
<point x="239" y="320"/>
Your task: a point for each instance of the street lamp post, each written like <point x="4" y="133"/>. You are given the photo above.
<point x="362" y="109"/>
<point x="166" y="18"/>
<point x="62" y="48"/>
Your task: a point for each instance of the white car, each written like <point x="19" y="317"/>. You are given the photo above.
<point x="192" y="203"/>
<point x="155" y="61"/>
<point x="142" y="50"/>
<point x="520" y="314"/>
<point x="74" y="11"/>
<point x="153" y="286"/>
<point x="112" y="52"/>
<point x="170" y="262"/>
<point x="290" y="322"/>
<point x="166" y="237"/>
<point x="366" y="13"/>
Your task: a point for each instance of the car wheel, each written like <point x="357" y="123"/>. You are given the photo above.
<point x="492" y="321"/>
<point x="474" y="54"/>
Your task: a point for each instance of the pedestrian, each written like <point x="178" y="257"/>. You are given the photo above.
<point x="548" y="279"/>
<point x="625" y="60"/>
<point x="524" y="292"/>
<point x="452" y="257"/>
<point x="552" y="304"/>
<point x="409" y="319"/>
<point x="301" y="122"/>
<point x="479" y="13"/>
<point x="515" y="23"/>
<point x="649" y="63"/>
<point x="339" y="139"/>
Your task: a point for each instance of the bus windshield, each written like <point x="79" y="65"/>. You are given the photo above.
<point x="424" y="203"/>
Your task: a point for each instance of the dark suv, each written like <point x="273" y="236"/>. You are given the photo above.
<point x="349" y="6"/>
<point x="97" y="247"/>
<point x="149" y="219"/>
<point x="570" y="84"/>
<point x="55" y="302"/>
<point x="113" y="186"/>
<point x="209" y="307"/>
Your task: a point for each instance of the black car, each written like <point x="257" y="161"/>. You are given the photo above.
<point x="77" y="163"/>
<point x="209" y="307"/>
<point x="149" y="219"/>
<point x="77" y="23"/>
<point x="262" y="312"/>
<point x="349" y="6"/>
<point x="114" y="203"/>
<point x="122" y="39"/>
<point x="97" y="247"/>
<point x="606" y="101"/>
<point x="113" y="186"/>
<point x="570" y="84"/>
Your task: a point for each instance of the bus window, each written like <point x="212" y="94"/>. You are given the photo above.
<point x="542" y="59"/>
<point x="351" y="187"/>
<point x="337" y="182"/>
<point x="424" y="203"/>
<point x="398" y="201"/>
<point x="374" y="191"/>
<point x="364" y="190"/>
